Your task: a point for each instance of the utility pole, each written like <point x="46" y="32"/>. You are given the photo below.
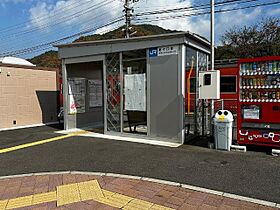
<point x="212" y="34"/>
<point x="212" y="2"/>
<point x="128" y="9"/>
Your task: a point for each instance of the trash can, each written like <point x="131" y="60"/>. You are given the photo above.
<point x="223" y="120"/>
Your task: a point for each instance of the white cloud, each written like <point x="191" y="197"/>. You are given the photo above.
<point x="237" y="18"/>
<point x="274" y="12"/>
<point x="74" y="12"/>
<point x="200" y="24"/>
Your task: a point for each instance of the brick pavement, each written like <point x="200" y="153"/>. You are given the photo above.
<point x="156" y="193"/>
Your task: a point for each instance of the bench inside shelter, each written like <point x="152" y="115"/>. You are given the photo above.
<point x="136" y="118"/>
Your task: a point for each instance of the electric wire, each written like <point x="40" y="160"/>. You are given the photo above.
<point x="21" y="51"/>
<point x="196" y="7"/>
<point x="57" y="22"/>
<point x="52" y="47"/>
<point x="45" y="17"/>
<point x="30" y="40"/>
<point x="140" y="19"/>
<point x="204" y="13"/>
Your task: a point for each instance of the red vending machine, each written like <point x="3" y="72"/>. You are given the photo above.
<point x="258" y="117"/>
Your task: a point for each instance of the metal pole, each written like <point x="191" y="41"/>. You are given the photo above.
<point x="212" y="54"/>
<point x="212" y="46"/>
<point x="212" y="34"/>
<point x="127" y="18"/>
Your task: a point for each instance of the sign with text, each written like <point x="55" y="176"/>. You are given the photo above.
<point x="163" y="51"/>
<point x="168" y="50"/>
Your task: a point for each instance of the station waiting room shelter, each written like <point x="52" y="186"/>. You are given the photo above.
<point x="132" y="87"/>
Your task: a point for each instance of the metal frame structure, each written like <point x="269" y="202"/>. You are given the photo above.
<point x="101" y="50"/>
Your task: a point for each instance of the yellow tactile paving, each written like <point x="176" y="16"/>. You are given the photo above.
<point x="90" y="190"/>
<point x="3" y="204"/>
<point x="20" y="202"/>
<point x="44" y="198"/>
<point x="115" y="200"/>
<point x="67" y="194"/>
<point x="22" y="146"/>
<point x="136" y="204"/>
<point x="77" y="192"/>
<point x="108" y="193"/>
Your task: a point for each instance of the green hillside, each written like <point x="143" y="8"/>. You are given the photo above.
<point x="50" y="58"/>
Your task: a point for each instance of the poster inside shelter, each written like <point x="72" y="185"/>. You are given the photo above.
<point x="135" y="92"/>
<point x="76" y="92"/>
<point x="95" y="93"/>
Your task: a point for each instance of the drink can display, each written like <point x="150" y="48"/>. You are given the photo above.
<point x="270" y="66"/>
<point x="274" y="95"/>
<point x="258" y="67"/>
<point x="250" y="81"/>
<point x="266" y="67"/>
<point x="258" y="82"/>
<point x="262" y="82"/>
<point x="258" y="95"/>
<point x="274" y="66"/>
<point x="250" y="95"/>
<point x="254" y="67"/>
<point x="254" y="81"/>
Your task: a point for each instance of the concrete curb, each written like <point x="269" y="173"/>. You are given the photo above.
<point x="190" y="187"/>
<point x="122" y="138"/>
<point x="176" y="184"/>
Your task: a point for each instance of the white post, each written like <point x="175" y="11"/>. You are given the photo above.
<point x="212" y="46"/>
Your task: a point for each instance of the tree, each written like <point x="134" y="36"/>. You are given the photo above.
<point x="261" y="39"/>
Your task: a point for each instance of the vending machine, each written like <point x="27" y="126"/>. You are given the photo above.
<point x="258" y="117"/>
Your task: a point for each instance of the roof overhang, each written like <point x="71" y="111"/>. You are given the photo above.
<point x="81" y="49"/>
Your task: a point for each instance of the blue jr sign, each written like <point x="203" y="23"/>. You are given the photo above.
<point x="153" y="52"/>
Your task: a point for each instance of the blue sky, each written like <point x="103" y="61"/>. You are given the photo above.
<point x="28" y="23"/>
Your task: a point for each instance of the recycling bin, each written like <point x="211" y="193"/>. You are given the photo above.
<point x="223" y="121"/>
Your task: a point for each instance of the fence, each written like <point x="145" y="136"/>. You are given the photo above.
<point x="198" y="117"/>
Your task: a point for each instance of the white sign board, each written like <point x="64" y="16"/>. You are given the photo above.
<point x="95" y="93"/>
<point x="163" y="51"/>
<point x="209" y="85"/>
<point x="251" y="114"/>
<point x="168" y="50"/>
<point x="77" y="86"/>
<point x="135" y="92"/>
<point x="76" y="95"/>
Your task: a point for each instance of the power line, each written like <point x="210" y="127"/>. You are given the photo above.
<point x="37" y="47"/>
<point x="51" y="47"/>
<point x="61" y="20"/>
<point x="95" y="18"/>
<point x="17" y="52"/>
<point x="45" y="17"/>
<point x="196" y="7"/>
<point x="146" y="20"/>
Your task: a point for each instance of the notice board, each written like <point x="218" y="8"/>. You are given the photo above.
<point x="76" y="95"/>
<point x="135" y="92"/>
<point x="95" y="93"/>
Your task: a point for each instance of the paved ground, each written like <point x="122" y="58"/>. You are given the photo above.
<point x="15" y="137"/>
<point x="248" y="174"/>
<point x="68" y="192"/>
